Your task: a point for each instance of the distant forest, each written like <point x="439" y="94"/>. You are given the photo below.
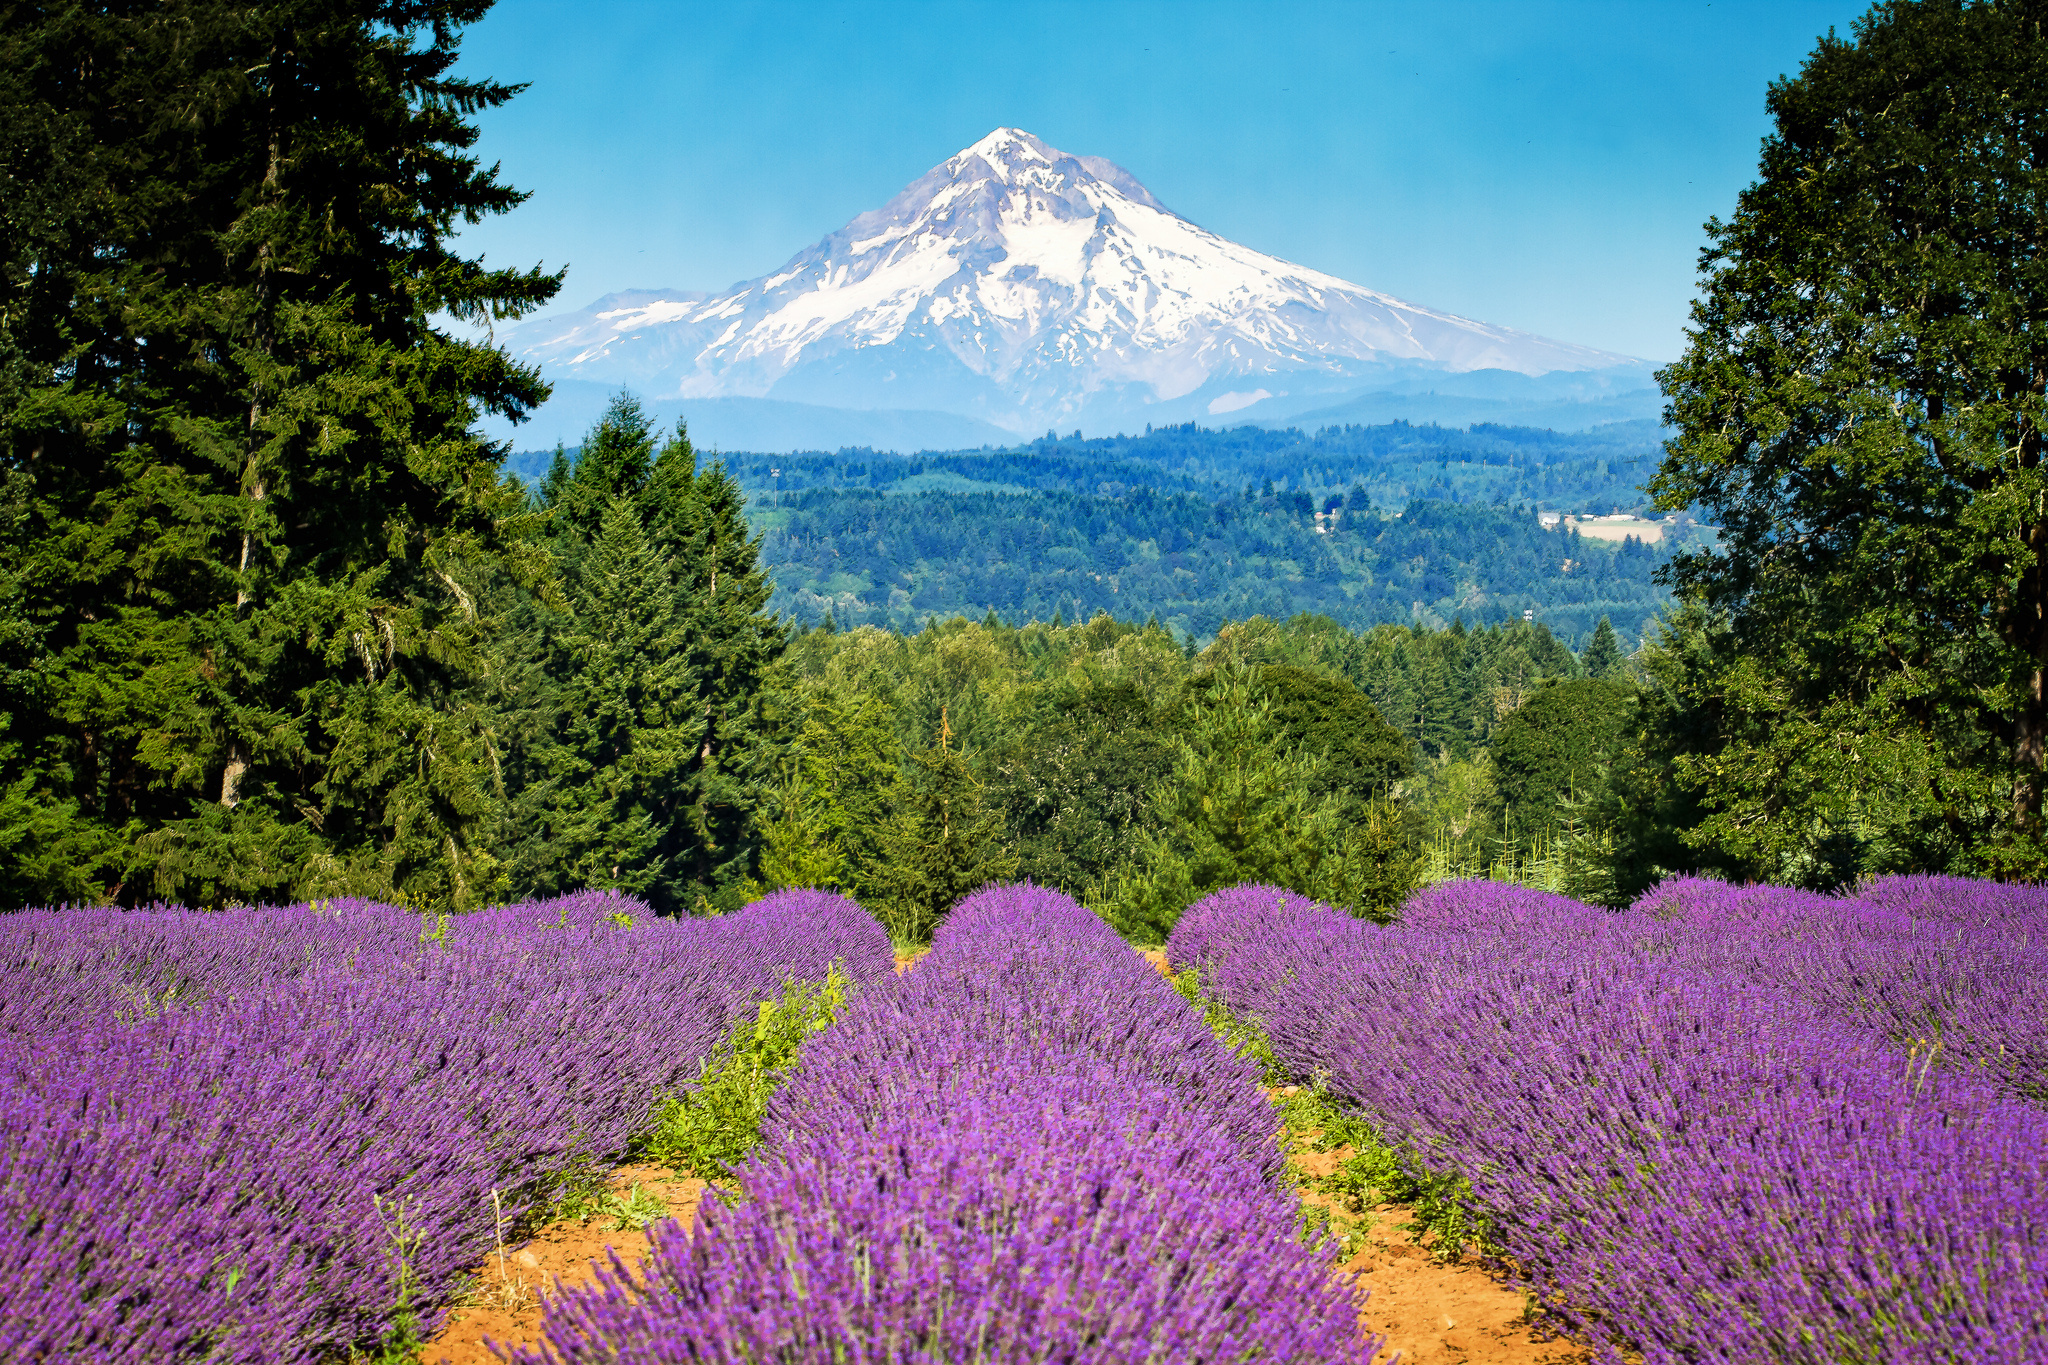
<point x="1198" y="527"/>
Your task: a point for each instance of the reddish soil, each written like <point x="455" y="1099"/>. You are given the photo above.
<point x="506" y="1307"/>
<point x="1434" y="1312"/>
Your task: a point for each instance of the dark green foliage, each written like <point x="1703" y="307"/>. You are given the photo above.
<point x="650" y="750"/>
<point x="1557" y="746"/>
<point x="628" y="729"/>
<point x="1196" y="562"/>
<point x="1444" y="690"/>
<point x="1075" y="776"/>
<point x="941" y="843"/>
<point x="1356" y="466"/>
<point x="1245" y="804"/>
<point x="1362" y="757"/>
<point x="1602" y="658"/>
<point x="1645" y="808"/>
<point x="249" y="517"/>
<point x="1862" y="409"/>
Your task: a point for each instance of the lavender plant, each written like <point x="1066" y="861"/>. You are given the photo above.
<point x="209" y="1122"/>
<point x="1027" y="1149"/>
<point x="1693" y="1126"/>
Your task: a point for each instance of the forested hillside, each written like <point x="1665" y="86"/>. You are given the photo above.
<point x="1199" y="526"/>
<point x="865" y="558"/>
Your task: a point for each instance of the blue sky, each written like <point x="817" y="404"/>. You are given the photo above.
<point x="1543" y="166"/>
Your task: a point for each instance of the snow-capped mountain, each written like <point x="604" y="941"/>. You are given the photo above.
<point x="1022" y="286"/>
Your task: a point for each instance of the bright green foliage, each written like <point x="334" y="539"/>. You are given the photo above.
<point x="247" y="512"/>
<point x="941" y="843"/>
<point x="1861" y="408"/>
<point x="1241" y="805"/>
<point x="1602" y="658"/>
<point x="840" y="784"/>
<point x="634" y="1209"/>
<point x="712" y="1127"/>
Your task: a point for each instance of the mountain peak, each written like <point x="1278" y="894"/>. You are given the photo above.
<point x="1006" y="146"/>
<point x="1019" y="284"/>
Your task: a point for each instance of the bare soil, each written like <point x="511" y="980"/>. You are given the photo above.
<point x="506" y="1306"/>
<point x="1433" y="1311"/>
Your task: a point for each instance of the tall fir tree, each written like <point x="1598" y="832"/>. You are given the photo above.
<point x="1602" y="658"/>
<point x="942" y="843"/>
<point x="251" y="507"/>
<point x="629" y="723"/>
<point x="650" y="764"/>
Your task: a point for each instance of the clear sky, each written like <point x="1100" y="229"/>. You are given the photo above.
<point x="1543" y="166"/>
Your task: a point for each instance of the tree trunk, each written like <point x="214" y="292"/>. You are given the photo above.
<point x="253" y="482"/>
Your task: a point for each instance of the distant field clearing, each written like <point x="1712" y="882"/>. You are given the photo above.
<point x="1613" y="528"/>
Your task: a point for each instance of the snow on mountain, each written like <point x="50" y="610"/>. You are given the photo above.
<point x="1022" y="286"/>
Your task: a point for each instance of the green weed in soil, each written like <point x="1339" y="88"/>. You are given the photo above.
<point x="710" y="1128"/>
<point x="1376" y="1172"/>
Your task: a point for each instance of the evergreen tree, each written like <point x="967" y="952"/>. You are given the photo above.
<point x="252" y="515"/>
<point x="697" y="517"/>
<point x="1557" y="747"/>
<point x="1602" y="658"/>
<point x="630" y="724"/>
<point x="838" y="786"/>
<point x="942" y="843"/>
<point x="1239" y="806"/>
<point x="663" y="640"/>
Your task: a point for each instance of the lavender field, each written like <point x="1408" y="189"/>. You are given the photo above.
<point x="274" y="1135"/>
<point x="1723" y="1124"/>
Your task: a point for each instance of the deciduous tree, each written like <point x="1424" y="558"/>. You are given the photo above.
<point x="1861" y="408"/>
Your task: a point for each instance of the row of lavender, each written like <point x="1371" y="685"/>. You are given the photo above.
<point x="274" y="1134"/>
<point x="1028" y="1148"/>
<point x="1725" y="1124"/>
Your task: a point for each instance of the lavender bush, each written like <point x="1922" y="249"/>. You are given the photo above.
<point x="274" y="1135"/>
<point x="1704" y="1128"/>
<point x="1026" y="1149"/>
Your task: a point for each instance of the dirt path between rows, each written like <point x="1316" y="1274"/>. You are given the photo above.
<point x="506" y="1306"/>
<point x="1433" y="1312"/>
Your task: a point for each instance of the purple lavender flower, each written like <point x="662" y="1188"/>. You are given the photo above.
<point x="248" y="1135"/>
<point x="1026" y="1149"/>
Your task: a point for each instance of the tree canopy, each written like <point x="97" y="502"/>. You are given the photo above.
<point x="1860" y="407"/>
<point x="248" y="506"/>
